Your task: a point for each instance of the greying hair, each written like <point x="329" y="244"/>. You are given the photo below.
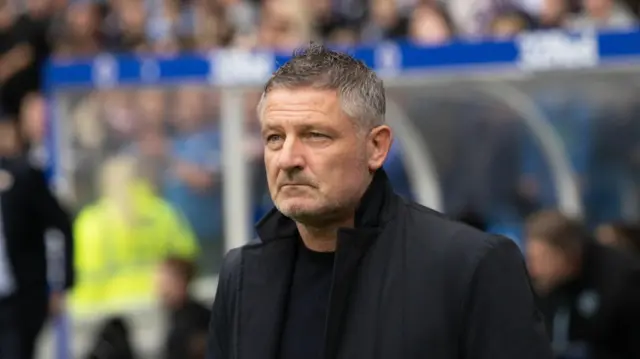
<point x="360" y="90"/>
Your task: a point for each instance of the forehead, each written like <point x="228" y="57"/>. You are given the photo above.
<point x="281" y="104"/>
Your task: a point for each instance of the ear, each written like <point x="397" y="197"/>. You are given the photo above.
<point x="378" y="145"/>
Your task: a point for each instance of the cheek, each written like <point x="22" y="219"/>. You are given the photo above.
<point x="343" y="171"/>
<point x="270" y="166"/>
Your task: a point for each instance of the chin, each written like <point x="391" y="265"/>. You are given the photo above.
<point x="296" y="209"/>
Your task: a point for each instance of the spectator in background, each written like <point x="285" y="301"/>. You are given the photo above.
<point x="607" y="14"/>
<point x="553" y="13"/>
<point x="113" y="341"/>
<point x="285" y="25"/>
<point x="192" y="182"/>
<point x="80" y="33"/>
<point x="130" y="33"/>
<point x="23" y="50"/>
<point x="28" y="210"/>
<point x="508" y="25"/>
<point x="430" y="25"/>
<point x="344" y="35"/>
<point x="32" y="120"/>
<point x="473" y="18"/>
<point x="385" y="22"/>
<point x="624" y="236"/>
<point x="589" y="293"/>
<point x="151" y="147"/>
<point x="122" y="237"/>
<point x="188" y="319"/>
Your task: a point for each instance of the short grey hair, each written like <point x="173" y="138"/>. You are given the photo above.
<point x="360" y="90"/>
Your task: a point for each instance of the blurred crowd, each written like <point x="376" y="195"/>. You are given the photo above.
<point x="31" y="30"/>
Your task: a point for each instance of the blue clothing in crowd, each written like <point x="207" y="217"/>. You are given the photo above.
<point x="202" y="208"/>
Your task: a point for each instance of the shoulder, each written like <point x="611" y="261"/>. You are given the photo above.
<point x="23" y="171"/>
<point x="17" y="165"/>
<point x="230" y="267"/>
<point x="429" y="232"/>
<point x="616" y="268"/>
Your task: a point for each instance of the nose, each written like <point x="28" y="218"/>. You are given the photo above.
<point x="290" y="156"/>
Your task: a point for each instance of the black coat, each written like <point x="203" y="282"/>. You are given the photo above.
<point x="407" y="283"/>
<point x="599" y="311"/>
<point x="29" y="209"/>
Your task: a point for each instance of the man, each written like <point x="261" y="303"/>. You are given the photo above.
<point x="344" y="267"/>
<point x="28" y="211"/>
<point x="589" y="293"/>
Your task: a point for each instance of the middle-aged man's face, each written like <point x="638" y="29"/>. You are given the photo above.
<point x="318" y="162"/>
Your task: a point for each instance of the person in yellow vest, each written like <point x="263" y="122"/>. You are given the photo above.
<point x="121" y="238"/>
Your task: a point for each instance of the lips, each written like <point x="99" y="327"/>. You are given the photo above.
<point x="294" y="185"/>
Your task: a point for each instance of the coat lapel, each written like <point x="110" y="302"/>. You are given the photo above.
<point x="374" y="211"/>
<point x="267" y="269"/>
<point x="352" y="245"/>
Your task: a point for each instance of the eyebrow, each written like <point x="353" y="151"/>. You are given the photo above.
<point x="300" y="128"/>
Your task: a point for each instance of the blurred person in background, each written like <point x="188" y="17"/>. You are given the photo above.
<point x="113" y="341"/>
<point x="589" y="293"/>
<point x="192" y="180"/>
<point x="430" y="25"/>
<point x="119" y="118"/>
<point x="385" y="21"/>
<point x="152" y="107"/>
<point x="151" y="145"/>
<point x="80" y="33"/>
<point x="603" y="14"/>
<point x="212" y="29"/>
<point x="32" y="121"/>
<point x="472" y="18"/>
<point x="151" y="149"/>
<point x="508" y="25"/>
<point x="621" y="235"/>
<point x="131" y="22"/>
<point x="553" y="13"/>
<point x="28" y="210"/>
<point x="188" y="319"/>
<point x="344" y="35"/>
<point x="121" y="238"/>
<point x="23" y="51"/>
<point x="285" y="25"/>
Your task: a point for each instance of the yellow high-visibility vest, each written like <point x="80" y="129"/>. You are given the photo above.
<point x="116" y="257"/>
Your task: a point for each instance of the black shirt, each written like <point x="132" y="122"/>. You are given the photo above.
<point x="304" y="324"/>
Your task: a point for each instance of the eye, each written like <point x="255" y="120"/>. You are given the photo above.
<point x="318" y="135"/>
<point x="273" y="138"/>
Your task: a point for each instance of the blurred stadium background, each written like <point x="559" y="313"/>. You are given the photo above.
<point x="492" y="124"/>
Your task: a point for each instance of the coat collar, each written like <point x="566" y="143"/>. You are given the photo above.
<point x="267" y="268"/>
<point x="374" y="209"/>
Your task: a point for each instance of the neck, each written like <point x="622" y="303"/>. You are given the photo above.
<point x="322" y="239"/>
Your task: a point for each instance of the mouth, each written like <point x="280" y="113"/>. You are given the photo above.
<point x="292" y="185"/>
